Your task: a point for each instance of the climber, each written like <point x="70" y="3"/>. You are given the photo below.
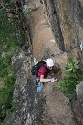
<point x="42" y="73"/>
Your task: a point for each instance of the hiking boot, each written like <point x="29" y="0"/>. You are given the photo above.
<point x="36" y="84"/>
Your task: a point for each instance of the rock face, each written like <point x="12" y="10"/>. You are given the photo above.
<point x="55" y="23"/>
<point x="29" y="105"/>
<point x="64" y="17"/>
<point x="79" y="89"/>
<point x="58" y="111"/>
<point x="50" y="107"/>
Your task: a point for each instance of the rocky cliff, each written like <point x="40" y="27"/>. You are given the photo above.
<point x="54" y="28"/>
<point x="66" y="23"/>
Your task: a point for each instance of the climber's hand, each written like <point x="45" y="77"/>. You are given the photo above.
<point x="53" y="80"/>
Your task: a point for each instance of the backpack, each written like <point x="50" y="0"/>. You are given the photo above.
<point x="36" y="67"/>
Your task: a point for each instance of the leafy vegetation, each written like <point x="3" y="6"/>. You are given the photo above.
<point x="7" y="42"/>
<point x="73" y="76"/>
<point x="11" y="35"/>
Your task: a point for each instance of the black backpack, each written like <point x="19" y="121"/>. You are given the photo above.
<point x="36" y="67"/>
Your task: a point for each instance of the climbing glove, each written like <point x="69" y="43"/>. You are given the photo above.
<point x="53" y="80"/>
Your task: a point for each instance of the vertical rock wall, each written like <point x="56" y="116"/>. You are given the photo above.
<point x="29" y="105"/>
<point x="65" y="22"/>
<point x="55" y="23"/>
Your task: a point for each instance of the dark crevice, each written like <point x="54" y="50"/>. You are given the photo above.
<point x="55" y="24"/>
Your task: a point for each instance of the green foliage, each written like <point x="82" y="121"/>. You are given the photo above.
<point x="7" y="91"/>
<point x="7" y="33"/>
<point x="13" y="34"/>
<point x="73" y="76"/>
<point x="5" y="65"/>
<point x="8" y="46"/>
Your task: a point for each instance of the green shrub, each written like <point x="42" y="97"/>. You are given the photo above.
<point x="73" y="76"/>
<point x="8" y="46"/>
<point x="13" y="34"/>
<point x="6" y="91"/>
